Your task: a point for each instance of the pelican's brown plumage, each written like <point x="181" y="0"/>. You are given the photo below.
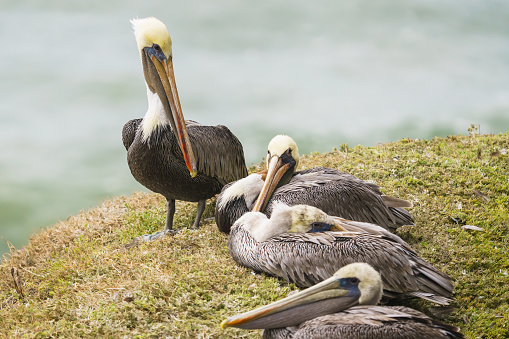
<point x="264" y="245"/>
<point x="342" y="306"/>
<point x="182" y="160"/>
<point x="335" y="192"/>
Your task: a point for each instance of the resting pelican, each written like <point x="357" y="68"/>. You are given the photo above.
<point x="161" y="146"/>
<point x="268" y="245"/>
<point x="341" y="307"/>
<point x="335" y="192"/>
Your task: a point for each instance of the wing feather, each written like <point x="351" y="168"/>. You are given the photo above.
<point x="218" y="152"/>
<point x="344" y="195"/>
<point x="129" y="132"/>
<point x="309" y="258"/>
<point x="373" y="321"/>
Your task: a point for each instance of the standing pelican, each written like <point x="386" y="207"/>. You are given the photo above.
<point x="341" y="307"/>
<point x="161" y="146"/>
<point x="268" y="245"/>
<point x="335" y="192"/>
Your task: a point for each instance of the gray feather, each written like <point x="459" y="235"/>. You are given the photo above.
<point x="369" y="322"/>
<point x="308" y="258"/>
<point x="335" y="192"/>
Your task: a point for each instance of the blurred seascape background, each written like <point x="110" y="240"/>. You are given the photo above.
<point x="326" y="73"/>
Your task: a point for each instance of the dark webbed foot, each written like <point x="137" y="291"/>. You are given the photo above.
<point x="150" y="237"/>
<point x="169" y="224"/>
<point x="156" y="235"/>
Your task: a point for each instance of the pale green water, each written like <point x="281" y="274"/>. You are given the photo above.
<point x="327" y="73"/>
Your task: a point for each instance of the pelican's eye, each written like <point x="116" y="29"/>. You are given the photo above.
<point x="354" y="280"/>
<point x="156" y="47"/>
<point x="320" y="227"/>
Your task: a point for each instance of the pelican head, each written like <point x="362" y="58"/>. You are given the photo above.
<point x="307" y="218"/>
<point x="282" y="160"/>
<point x="282" y="145"/>
<point x="353" y="284"/>
<point x="154" y="44"/>
<point x="284" y="218"/>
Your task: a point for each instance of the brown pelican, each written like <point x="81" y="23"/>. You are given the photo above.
<point x="161" y="147"/>
<point x="267" y="245"/>
<point x="341" y="307"/>
<point x="335" y="192"/>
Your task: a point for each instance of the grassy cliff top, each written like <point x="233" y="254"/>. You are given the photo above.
<point x="77" y="279"/>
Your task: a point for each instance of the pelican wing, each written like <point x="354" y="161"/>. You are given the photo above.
<point x="308" y="258"/>
<point x="341" y="194"/>
<point x="373" y="315"/>
<point x="369" y="321"/>
<point x="129" y="132"/>
<point x="228" y="212"/>
<point x="368" y="228"/>
<point x="319" y="176"/>
<point x="219" y="153"/>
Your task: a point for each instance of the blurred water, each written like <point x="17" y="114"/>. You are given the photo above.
<point x="327" y="73"/>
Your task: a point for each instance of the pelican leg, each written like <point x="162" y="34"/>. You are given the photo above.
<point x="199" y="211"/>
<point x="170" y="211"/>
<point x="170" y="205"/>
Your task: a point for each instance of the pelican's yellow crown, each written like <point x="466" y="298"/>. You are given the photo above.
<point x="150" y="31"/>
<point x="280" y="143"/>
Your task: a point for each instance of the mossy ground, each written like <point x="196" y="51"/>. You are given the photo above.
<point x="79" y="280"/>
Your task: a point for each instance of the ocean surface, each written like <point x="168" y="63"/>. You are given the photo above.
<point x="324" y="72"/>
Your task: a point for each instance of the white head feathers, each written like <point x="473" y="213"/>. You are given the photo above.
<point x="370" y="282"/>
<point x="150" y="31"/>
<point x="280" y="143"/>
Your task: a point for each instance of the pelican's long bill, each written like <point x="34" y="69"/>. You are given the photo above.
<point x="276" y="170"/>
<point x="329" y="296"/>
<point x="167" y="77"/>
<point x="282" y="160"/>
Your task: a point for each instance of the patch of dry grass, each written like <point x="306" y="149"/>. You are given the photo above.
<point x="79" y="280"/>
